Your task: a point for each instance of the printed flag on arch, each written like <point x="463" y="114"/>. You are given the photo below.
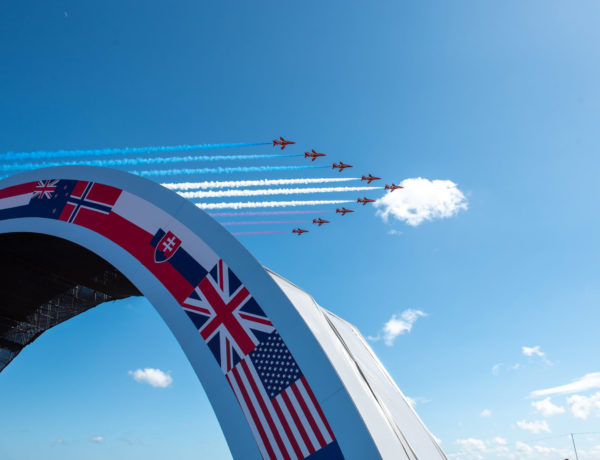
<point x="227" y="316"/>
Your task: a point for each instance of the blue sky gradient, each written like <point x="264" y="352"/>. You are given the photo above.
<point x="501" y="98"/>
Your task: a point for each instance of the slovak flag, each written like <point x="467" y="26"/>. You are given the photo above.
<point x="166" y="247"/>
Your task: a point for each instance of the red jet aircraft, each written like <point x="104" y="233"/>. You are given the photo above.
<point x="320" y="221"/>
<point x="392" y="187"/>
<point x="313" y="155"/>
<point x="365" y="200"/>
<point x="281" y="141"/>
<point x="299" y="231"/>
<point x="370" y="178"/>
<point x="341" y="166"/>
<point x="343" y="211"/>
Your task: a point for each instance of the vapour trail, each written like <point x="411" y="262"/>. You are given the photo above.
<point x="121" y="151"/>
<point x="236" y="169"/>
<point x="142" y="161"/>
<point x="265" y="222"/>
<point x="267" y="204"/>
<point x="252" y="183"/>
<point x="260" y="233"/>
<point x="263" y="213"/>
<point x="272" y="191"/>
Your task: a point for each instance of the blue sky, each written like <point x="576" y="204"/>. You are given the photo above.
<point x="501" y="98"/>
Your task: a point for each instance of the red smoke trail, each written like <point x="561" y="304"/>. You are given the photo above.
<point x="263" y="213"/>
<point x="260" y="222"/>
<point x="260" y="233"/>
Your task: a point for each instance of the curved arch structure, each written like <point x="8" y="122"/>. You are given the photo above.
<point x="286" y="378"/>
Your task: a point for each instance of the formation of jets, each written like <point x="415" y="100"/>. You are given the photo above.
<point x="313" y="155"/>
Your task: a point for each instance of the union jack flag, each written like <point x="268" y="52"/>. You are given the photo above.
<point x="227" y="316"/>
<point x="44" y="189"/>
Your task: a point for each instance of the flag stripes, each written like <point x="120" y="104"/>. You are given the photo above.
<point x="288" y="426"/>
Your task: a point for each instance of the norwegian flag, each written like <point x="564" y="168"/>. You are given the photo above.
<point x="227" y="316"/>
<point x="44" y="189"/>
<point x="279" y="405"/>
<point x="89" y="197"/>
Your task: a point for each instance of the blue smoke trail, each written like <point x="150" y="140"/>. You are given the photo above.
<point x="142" y="161"/>
<point x="40" y="154"/>
<point x="175" y="172"/>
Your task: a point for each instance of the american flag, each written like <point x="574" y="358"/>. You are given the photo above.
<point x="227" y="316"/>
<point x="283" y="413"/>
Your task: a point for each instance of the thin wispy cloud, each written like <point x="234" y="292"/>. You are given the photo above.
<point x="153" y="377"/>
<point x="535" y="427"/>
<point x="421" y="200"/>
<point x="398" y="325"/>
<point x="585" y="383"/>
<point x="547" y="408"/>
<point x="486" y="413"/>
<point x="97" y="439"/>
<point x="499" y="448"/>
<point x="535" y="351"/>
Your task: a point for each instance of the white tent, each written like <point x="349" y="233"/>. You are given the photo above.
<point x="396" y="429"/>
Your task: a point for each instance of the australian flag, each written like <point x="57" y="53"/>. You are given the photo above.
<point x="44" y="198"/>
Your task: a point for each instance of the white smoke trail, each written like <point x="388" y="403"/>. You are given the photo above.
<point x="268" y="204"/>
<point x="252" y="183"/>
<point x="272" y="191"/>
<point x="220" y="170"/>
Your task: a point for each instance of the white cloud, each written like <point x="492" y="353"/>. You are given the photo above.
<point x="154" y="377"/>
<point x="496" y="368"/>
<point x="421" y="200"/>
<point x="547" y="408"/>
<point x="97" y="439"/>
<point x="396" y="326"/>
<point x="535" y="351"/>
<point x="587" y="382"/>
<point x="499" y="449"/>
<point x="535" y="427"/>
<point x="393" y="231"/>
<point x="485" y="413"/>
<point x="471" y="444"/>
<point x="582" y="406"/>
